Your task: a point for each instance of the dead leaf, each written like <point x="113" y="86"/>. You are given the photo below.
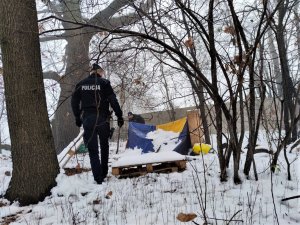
<point x="73" y="171"/>
<point x="108" y="195"/>
<point x="237" y="59"/>
<point x="97" y="201"/>
<point x="229" y="30"/>
<point x="2" y="204"/>
<point x="189" y="43"/>
<point x="186" y="217"/>
<point x="137" y="81"/>
<point x="7" y="173"/>
<point x="9" y="219"/>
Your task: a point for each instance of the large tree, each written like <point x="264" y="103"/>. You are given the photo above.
<point x="77" y="51"/>
<point x="35" y="164"/>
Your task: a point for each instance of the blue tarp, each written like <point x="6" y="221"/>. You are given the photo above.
<point x="183" y="147"/>
<point x="137" y="133"/>
<point x="137" y="138"/>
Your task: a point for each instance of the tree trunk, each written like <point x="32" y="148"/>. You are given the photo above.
<point x="218" y="108"/>
<point x="77" y="67"/>
<point x="35" y="164"/>
<point x="77" y="54"/>
<point x="236" y="164"/>
<point x="202" y="107"/>
<point x="287" y="83"/>
<point x="169" y="103"/>
<point x="297" y="25"/>
<point x="251" y="121"/>
<point x="276" y="67"/>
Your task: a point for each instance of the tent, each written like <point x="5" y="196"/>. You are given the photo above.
<point x="137" y="136"/>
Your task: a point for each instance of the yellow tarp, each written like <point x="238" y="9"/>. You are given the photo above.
<point x="176" y="126"/>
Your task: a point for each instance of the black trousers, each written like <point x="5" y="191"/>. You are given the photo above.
<point x="93" y="128"/>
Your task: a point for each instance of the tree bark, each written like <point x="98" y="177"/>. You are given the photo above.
<point x="287" y="83"/>
<point x="77" y="67"/>
<point x="77" y="55"/>
<point x="251" y="121"/>
<point x="35" y="164"/>
<point x="276" y="67"/>
<point x="202" y="106"/>
<point x="218" y="111"/>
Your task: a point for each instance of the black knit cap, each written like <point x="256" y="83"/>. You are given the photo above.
<point x="95" y="66"/>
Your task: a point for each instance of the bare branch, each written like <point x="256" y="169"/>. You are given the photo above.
<point x="5" y="147"/>
<point x="101" y="18"/>
<point x="52" y="75"/>
<point x="294" y="197"/>
<point x="55" y="8"/>
<point x="52" y="38"/>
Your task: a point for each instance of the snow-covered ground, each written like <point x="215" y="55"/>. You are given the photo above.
<point x="158" y="198"/>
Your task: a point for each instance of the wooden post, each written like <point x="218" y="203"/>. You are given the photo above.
<point x="149" y="168"/>
<point x="181" y="164"/>
<point x="115" y="171"/>
<point x="195" y="127"/>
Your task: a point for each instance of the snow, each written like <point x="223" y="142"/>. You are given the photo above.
<point x="163" y="142"/>
<point x="140" y="159"/>
<point x="159" y="198"/>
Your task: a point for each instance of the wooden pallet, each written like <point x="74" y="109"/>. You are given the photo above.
<point x="138" y="170"/>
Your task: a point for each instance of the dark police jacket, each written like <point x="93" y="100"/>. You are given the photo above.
<point x="93" y="95"/>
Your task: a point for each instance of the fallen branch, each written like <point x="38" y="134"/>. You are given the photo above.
<point x="290" y="198"/>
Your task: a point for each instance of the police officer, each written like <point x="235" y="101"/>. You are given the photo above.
<point x="90" y="105"/>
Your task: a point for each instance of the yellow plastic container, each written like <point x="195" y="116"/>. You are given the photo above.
<point x="204" y="148"/>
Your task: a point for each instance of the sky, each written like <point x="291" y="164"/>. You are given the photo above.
<point x="158" y="198"/>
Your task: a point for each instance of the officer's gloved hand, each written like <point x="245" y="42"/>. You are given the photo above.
<point x="120" y="121"/>
<point x="78" y="122"/>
